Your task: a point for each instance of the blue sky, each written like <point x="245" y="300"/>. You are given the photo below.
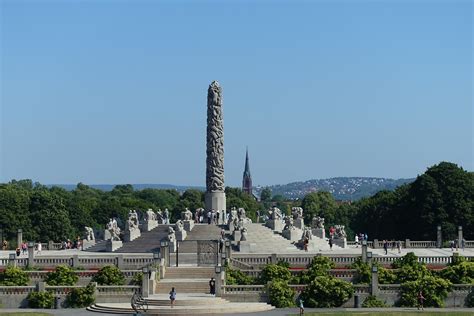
<point x="115" y="91"/>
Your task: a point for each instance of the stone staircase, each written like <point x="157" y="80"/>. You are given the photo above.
<point x="199" y="232"/>
<point x="265" y="240"/>
<point x="186" y="280"/>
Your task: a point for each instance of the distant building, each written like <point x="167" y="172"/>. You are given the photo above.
<point x="247" y="178"/>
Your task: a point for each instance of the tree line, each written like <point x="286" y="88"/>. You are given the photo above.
<point x="443" y="195"/>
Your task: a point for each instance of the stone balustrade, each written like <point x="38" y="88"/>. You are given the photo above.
<point x="84" y="275"/>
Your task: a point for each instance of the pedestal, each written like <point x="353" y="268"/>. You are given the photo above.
<point x="188" y="225"/>
<point x="292" y="234"/>
<point x="172" y="247"/>
<point x="299" y="223"/>
<point x="107" y="235"/>
<point x="113" y="245"/>
<point x="275" y="224"/>
<point x="236" y="235"/>
<point x="215" y="201"/>
<point x="181" y="235"/>
<point x="149" y="225"/>
<point x="131" y="235"/>
<point x="319" y="232"/>
<point x="87" y="243"/>
<point x="341" y="242"/>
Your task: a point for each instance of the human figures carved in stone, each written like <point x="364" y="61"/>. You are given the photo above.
<point x="187" y="215"/>
<point x="288" y="223"/>
<point x="275" y="213"/>
<point x="340" y="232"/>
<point x="114" y="230"/>
<point x="179" y="225"/>
<point x="317" y="222"/>
<point x="89" y="233"/>
<point x="241" y="212"/>
<point x="215" y="140"/>
<point x="297" y="212"/>
<point x="166" y="216"/>
<point x="171" y="235"/>
<point x="150" y="215"/>
<point x="132" y="222"/>
<point x="243" y="235"/>
<point x="307" y="234"/>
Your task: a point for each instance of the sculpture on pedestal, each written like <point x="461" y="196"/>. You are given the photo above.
<point x="215" y="196"/>
<point x="275" y="213"/>
<point x="89" y="233"/>
<point x="288" y="224"/>
<point x="113" y="229"/>
<point x="340" y="232"/>
<point x="150" y="215"/>
<point x="132" y="222"/>
<point x="171" y="235"/>
<point x="187" y="215"/>
<point x="179" y="225"/>
<point x="297" y="212"/>
<point x="317" y="222"/>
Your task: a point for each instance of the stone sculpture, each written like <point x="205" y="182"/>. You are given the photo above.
<point x="288" y="223"/>
<point x="241" y="212"/>
<point x="215" y="195"/>
<point x="187" y="215"/>
<point x="132" y="222"/>
<point x="317" y="222"/>
<point x="89" y="233"/>
<point x="275" y="213"/>
<point x="150" y="215"/>
<point x="171" y="235"/>
<point x="166" y="216"/>
<point x="179" y="225"/>
<point x="340" y="232"/>
<point x="297" y="212"/>
<point x="243" y="234"/>
<point x="113" y="229"/>
<point x="307" y="234"/>
<point x="159" y="216"/>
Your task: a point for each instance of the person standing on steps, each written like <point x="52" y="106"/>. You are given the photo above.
<point x="172" y="297"/>
<point x="212" y="286"/>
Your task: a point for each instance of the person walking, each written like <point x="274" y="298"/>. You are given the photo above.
<point x="421" y="300"/>
<point x="18" y="251"/>
<point x="356" y="240"/>
<point x="38" y="248"/>
<point x="399" y="246"/>
<point x="306" y="242"/>
<point x="209" y="217"/>
<point x="172" y="297"/>
<point x="217" y="217"/>
<point x="385" y="246"/>
<point x="463" y="243"/>
<point x="212" y="286"/>
<point x="300" y="304"/>
<point x="330" y="243"/>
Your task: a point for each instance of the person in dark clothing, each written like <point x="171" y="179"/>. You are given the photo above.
<point x="385" y="246"/>
<point x="212" y="286"/>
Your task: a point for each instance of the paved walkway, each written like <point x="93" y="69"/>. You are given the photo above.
<point x="352" y="250"/>
<point x="274" y="312"/>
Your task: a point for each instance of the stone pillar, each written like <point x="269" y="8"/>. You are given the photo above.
<point x="364" y="250"/>
<point x="374" y="285"/>
<point x="12" y="259"/>
<point x="50" y="245"/>
<point x="41" y="286"/>
<point x="19" y="237"/>
<point x="439" y="237"/>
<point x="31" y="254"/>
<point x="407" y="243"/>
<point x="215" y="195"/>
<point x="120" y="261"/>
<point x="220" y="281"/>
<point x="376" y="244"/>
<point x="75" y="261"/>
<point x="273" y="258"/>
<point x="145" y="283"/>
<point x="460" y="237"/>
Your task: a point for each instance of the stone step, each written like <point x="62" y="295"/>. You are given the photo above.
<point x="189" y="272"/>
<point x="183" y="286"/>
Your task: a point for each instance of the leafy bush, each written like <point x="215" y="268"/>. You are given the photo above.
<point x="373" y="301"/>
<point x="435" y="290"/>
<point x="137" y="279"/>
<point x="460" y="272"/>
<point x="13" y="276"/>
<point x="319" y="266"/>
<point x="387" y="276"/>
<point x="81" y="297"/>
<point x="237" y="277"/>
<point x="42" y="299"/>
<point x="280" y="294"/>
<point x="327" y="291"/>
<point x="109" y="275"/>
<point x="62" y="275"/>
<point x="274" y="272"/>
<point x="470" y="299"/>
<point x="364" y="274"/>
<point x="409" y="269"/>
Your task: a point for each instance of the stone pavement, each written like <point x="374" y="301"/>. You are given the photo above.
<point x="274" y="312"/>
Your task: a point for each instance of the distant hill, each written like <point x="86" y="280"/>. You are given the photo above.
<point x="109" y="187"/>
<point x="343" y="188"/>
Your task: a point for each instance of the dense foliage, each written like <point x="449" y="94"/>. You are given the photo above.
<point x="280" y="294"/>
<point x="237" y="277"/>
<point x="373" y="301"/>
<point x="62" y="275"/>
<point x="81" y="297"/>
<point x="42" y="299"/>
<point x="327" y="291"/>
<point x="459" y="272"/>
<point x="13" y="276"/>
<point x="435" y="290"/>
<point x="443" y="195"/>
<point x="109" y="275"/>
<point x="273" y="272"/>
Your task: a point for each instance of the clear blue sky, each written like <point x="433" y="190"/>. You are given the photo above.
<point x="115" y="91"/>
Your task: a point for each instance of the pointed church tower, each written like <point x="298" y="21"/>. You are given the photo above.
<point x="247" y="178"/>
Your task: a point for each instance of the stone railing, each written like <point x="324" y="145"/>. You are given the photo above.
<point x="86" y="275"/>
<point x="115" y="289"/>
<point x="16" y="290"/>
<point x="87" y="261"/>
<point x="346" y="274"/>
<point x="243" y="289"/>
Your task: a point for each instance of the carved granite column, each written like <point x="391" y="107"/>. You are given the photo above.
<point x="215" y="195"/>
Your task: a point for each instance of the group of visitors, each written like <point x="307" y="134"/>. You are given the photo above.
<point x="359" y="238"/>
<point x="395" y="244"/>
<point x="209" y="217"/>
<point x="455" y="244"/>
<point x="68" y="244"/>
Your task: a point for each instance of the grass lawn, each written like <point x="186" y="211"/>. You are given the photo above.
<point x="24" y="314"/>
<point x="391" y="313"/>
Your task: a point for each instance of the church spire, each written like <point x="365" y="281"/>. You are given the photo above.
<point x="247" y="178"/>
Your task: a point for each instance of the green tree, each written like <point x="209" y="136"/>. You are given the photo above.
<point x="43" y="299"/>
<point x="81" y="297"/>
<point x="319" y="204"/>
<point x="62" y="275"/>
<point x="435" y="290"/>
<point x="109" y="275"/>
<point x="273" y="272"/>
<point x="280" y="294"/>
<point x="326" y="291"/>
<point x="14" y="276"/>
<point x="459" y="272"/>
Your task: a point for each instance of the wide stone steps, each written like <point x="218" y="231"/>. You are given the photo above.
<point x="192" y="285"/>
<point x="147" y="242"/>
<point x="189" y="272"/>
<point x="185" y="304"/>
